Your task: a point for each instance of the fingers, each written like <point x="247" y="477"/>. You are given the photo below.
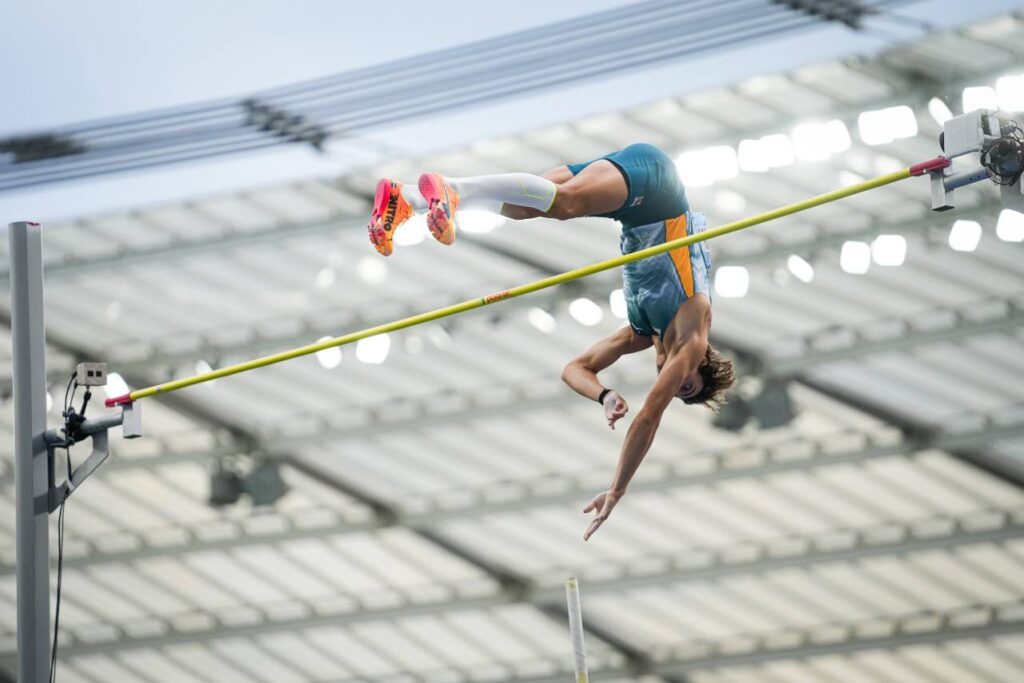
<point x="591" y="506"/>
<point x="594" y="526"/>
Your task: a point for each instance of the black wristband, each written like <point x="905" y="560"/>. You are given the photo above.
<point x="600" y="399"/>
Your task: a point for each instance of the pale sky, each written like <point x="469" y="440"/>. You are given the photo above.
<point x="67" y="61"/>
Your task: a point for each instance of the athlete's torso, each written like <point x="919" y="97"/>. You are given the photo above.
<point x="656" y="210"/>
<point x="655" y="287"/>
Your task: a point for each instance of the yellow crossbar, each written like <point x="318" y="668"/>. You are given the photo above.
<point x="479" y="302"/>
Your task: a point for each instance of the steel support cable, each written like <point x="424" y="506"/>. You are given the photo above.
<point x="644" y="38"/>
<point x="380" y="82"/>
<point x="522" y="39"/>
<point x="479" y="302"/>
<point x="631" y="14"/>
<point x="597" y="28"/>
<point x="251" y="140"/>
<point x="234" y="140"/>
<point x="548" y="54"/>
<point x="241" y="143"/>
<point x="584" y="69"/>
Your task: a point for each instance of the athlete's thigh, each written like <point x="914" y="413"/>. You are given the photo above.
<point x="559" y="175"/>
<point x="599" y="188"/>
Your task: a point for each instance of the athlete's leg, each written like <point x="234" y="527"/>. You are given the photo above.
<point x="445" y="196"/>
<point x="599" y="188"/>
<point x="558" y="176"/>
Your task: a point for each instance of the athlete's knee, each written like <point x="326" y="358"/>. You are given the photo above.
<point x="568" y="204"/>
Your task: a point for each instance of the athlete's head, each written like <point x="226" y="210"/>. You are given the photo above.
<point x="709" y="384"/>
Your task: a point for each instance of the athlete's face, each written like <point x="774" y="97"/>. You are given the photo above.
<point x="692" y="384"/>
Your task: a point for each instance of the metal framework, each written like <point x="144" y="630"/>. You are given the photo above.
<point x="999" y="529"/>
<point x="706" y="564"/>
<point x="532" y="495"/>
<point x="31" y="469"/>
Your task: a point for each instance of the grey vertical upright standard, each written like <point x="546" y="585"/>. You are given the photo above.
<point x="31" y="469"/>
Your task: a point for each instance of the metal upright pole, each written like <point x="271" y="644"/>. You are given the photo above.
<point x="30" y="459"/>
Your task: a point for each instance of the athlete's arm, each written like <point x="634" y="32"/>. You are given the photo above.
<point x="581" y="372"/>
<point x="641" y="433"/>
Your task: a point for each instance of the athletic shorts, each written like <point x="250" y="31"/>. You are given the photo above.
<point x="654" y="191"/>
<point x="656" y="211"/>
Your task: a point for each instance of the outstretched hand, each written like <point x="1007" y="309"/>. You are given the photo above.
<point x="603" y="504"/>
<point x="615" y="407"/>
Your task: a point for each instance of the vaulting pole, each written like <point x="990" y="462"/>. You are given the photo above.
<point x="874" y="183"/>
<point x="579" y="652"/>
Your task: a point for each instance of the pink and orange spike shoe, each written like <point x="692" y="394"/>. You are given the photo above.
<point x="443" y="202"/>
<point x="390" y="210"/>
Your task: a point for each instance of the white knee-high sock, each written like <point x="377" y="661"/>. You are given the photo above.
<point x="489" y="191"/>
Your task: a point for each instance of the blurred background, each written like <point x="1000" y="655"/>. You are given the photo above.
<point x="406" y="510"/>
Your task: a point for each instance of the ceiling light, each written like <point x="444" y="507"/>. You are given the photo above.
<point x="884" y="164"/>
<point x="116" y="386"/>
<point x="1010" y="93"/>
<point x="439" y="337"/>
<point x="902" y="121"/>
<point x="413" y="344"/>
<point x="819" y="141"/>
<point x="965" y="235"/>
<point x="889" y="250"/>
<point x="542" y="320"/>
<point x="585" y="311"/>
<point x="617" y="301"/>
<point x="703" y="167"/>
<point x="770" y="151"/>
<point x="778" y="150"/>
<point x="202" y="367"/>
<point x="873" y="129"/>
<point x="730" y="202"/>
<point x="373" y="349"/>
<point x="372" y="270"/>
<point x="939" y="110"/>
<point x="732" y="281"/>
<point x="1010" y="227"/>
<point x="329" y="358"/>
<point x="980" y="98"/>
<point x="412" y="232"/>
<point x="802" y="270"/>
<point x="474" y="220"/>
<point x="838" y="136"/>
<point x="751" y="158"/>
<point x="882" y="126"/>
<point x="325" y="278"/>
<point x="847" y="178"/>
<point x="855" y="257"/>
<point x="721" y="162"/>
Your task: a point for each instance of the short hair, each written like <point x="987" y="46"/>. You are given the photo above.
<point x="719" y="376"/>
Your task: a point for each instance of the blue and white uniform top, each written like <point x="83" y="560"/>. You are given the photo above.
<point x="656" y="211"/>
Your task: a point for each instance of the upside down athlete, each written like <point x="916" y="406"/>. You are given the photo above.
<point x="668" y="296"/>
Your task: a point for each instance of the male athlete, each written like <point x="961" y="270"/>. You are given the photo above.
<point x="668" y="297"/>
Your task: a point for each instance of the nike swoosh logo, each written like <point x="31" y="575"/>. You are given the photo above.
<point x="445" y="204"/>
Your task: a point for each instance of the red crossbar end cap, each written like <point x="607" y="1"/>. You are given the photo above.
<point x="124" y="400"/>
<point x="935" y="164"/>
